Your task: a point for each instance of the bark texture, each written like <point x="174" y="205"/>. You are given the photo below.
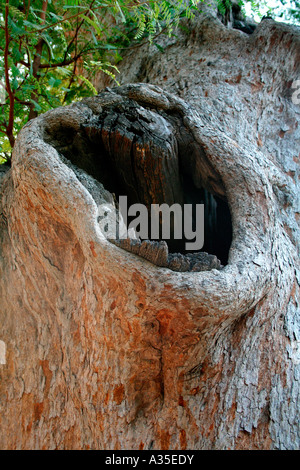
<point x="102" y="349"/>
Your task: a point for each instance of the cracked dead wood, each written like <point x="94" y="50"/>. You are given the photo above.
<point x="105" y="349"/>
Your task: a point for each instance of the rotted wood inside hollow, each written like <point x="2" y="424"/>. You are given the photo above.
<point x="151" y="157"/>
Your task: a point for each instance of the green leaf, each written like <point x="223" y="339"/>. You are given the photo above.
<point x="89" y="85"/>
<point x="31" y="25"/>
<point x="160" y="48"/>
<point x="37" y="107"/>
<point x="48" y="40"/>
<point x="15" y="30"/>
<point x="16" y="13"/>
<point x="92" y="23"/>
<point x="54" y="82"/>
<point x="101" y="44"/>
<point x="55" y="17"/>
<point x="109" y="47"/>
<point x="75" y="6"/>
<point x="121" y="12"/>
<point x="111" y="75"/>
<point x="64" y="71"/>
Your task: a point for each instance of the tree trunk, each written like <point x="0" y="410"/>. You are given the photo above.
<point x="150" y="347"/>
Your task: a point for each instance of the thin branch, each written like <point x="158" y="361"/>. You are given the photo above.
<point x="10" y="126"/>
<point x="22" y="83"/>
<point x="26" y="64"/>
<point x="84" y="12"/>
<point x="64" y="63"/>
<point x="28" y="8"/>
<point x="25" y="103"/>
<point x="70" y="81"/>
<point x="38" y="31"/>
<point x="37" y="61"/>
<point x="77" y="31"/>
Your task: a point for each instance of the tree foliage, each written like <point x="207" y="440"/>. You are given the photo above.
<point x="50" y="51"/>
<point x="286" y="10"/>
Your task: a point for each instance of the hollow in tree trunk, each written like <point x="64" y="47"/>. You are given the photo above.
<point x="138" y="343"/>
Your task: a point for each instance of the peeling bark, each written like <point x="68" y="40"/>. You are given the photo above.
<point x="106" y="350"/>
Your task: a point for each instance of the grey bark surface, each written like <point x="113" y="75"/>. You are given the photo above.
<point x="105" y="350"/>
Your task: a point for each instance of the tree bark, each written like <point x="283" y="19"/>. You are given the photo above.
<point x="104" y="349"/>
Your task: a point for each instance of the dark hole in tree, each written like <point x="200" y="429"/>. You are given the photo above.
<point x="87" y="151"/>
<point x="217" y="219"/>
